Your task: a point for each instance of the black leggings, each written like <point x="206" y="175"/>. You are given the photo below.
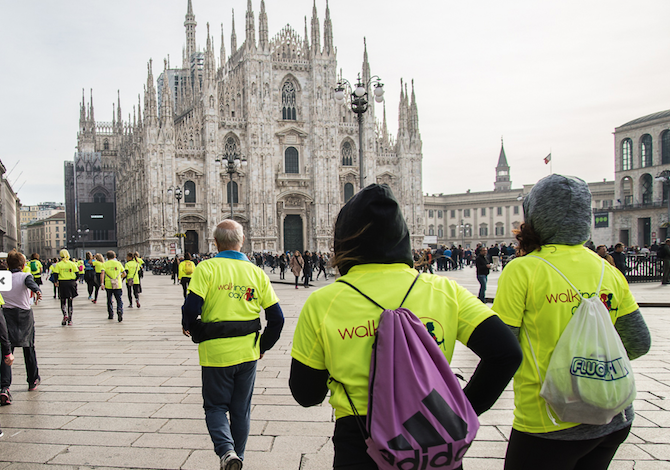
<point x="526" y="451"/>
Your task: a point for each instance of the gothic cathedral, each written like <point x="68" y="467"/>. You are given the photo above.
<point x="269" y="105"/>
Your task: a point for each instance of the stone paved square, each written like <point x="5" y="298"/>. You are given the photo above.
<point x="127" y="395"/>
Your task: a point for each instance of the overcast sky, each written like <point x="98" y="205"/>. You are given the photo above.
<point x="547" y="76"/>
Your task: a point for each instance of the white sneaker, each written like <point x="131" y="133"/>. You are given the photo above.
<point x="230" y="461"/>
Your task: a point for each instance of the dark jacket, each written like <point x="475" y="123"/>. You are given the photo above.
<point x="481" y="264"/>
<point x="620" y="261"/>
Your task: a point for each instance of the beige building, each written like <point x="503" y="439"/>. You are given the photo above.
<point x="642" y="163"/>
<point x="10" y="233"/>
<point x="46" y="236"/>
<point x="489" y="217"/>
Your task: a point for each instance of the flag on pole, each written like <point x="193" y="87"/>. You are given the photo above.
<point x="547" y="159"/>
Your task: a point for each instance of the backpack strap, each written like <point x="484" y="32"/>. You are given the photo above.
<point x="371" y="300"/>
<point x="600" y="284"/>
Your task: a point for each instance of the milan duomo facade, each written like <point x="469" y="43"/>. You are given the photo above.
<point x="272" y="102"/>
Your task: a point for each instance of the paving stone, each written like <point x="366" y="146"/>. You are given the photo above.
<point x="174" y="441"/>
<point x="306" y="444"/>
<point x="24" y="452"/>
<point x="288" y="428"/>
<point x="657" y="451"/>
<point x="180" y="411"/>
<point x="121" y="410"/>
<point x="477" y="463"/>
<point x="291" y="413"/>
<point x="136" y="457"/>
<point x="62" y="436"/>
<point x="185" y="426"/>
<point x="98" y="423"/>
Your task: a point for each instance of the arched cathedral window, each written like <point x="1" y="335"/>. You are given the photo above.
<point x="232" y="192"/>
<point x="99" y="197"/>
<point x="105" y="145"/>
<point x="189" y="192"/>
<point x="291" y="162"/>
<point x="347" y="154"/>
<point x="288" y="101"/>
<point x="348" y="192"/>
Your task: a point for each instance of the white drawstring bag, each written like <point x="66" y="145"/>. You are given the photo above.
<point x="589" y="379"/>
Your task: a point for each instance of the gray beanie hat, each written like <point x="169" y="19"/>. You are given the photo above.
<point x="558" y="208"/>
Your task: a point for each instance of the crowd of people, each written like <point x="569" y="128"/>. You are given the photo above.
<point x="333" y="341"/>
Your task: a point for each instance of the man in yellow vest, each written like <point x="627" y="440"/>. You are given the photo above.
<point x="228" y="293"/>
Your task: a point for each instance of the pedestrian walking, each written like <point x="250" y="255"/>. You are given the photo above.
<point x="296" y="264"/>
<point x="483" y="267"/>
<point x="66" y="272"/>
<point x="557" y="221"/>
<point x="132" y="268"/>
<point x="89" y="274"/>
<point x="322" y="267"/>
<point x="229" y="361"/>
<point x="664" y="255"/>
<point x="186" y="269"/>
<point x="282" y="265"/>
<point x="20" y="323"/>
<point x="98" y="262"/>
<point x="113" y="274"/>
<point x="5" y="349"/>
<point x="307" y="268"/>
<point x="36" y="268"/>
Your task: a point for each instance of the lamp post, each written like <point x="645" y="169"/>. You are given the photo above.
<point x="664" y="177"/>
<point x="83" y="233"/>
<point x="463" y="226"/>
<point x="359" y="105"/>
<point x="178" y="194"/>
<point x="233" y="161"/>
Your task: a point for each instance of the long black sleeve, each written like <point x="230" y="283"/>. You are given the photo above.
<point x="275" y="322"/>
<point x="500" y="356"/>
<point x="308" y="386"/>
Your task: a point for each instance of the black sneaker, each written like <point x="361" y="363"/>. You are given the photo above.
<point x="33" y="386"/>
<point x="110" y="317"/>
<point x="64" y="322"/>
<point x="5" y="397"/>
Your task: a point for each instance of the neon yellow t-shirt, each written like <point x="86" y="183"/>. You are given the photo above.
<point x="533" y="296"/>
<point x="113" y="269"/>
<point x="182" y="268"/>
<point x="233" y="290"/>
<point x="337" y="325"/>
<point x="66" y="270"/>
<point x="133" y="271"/>
<point x="38" y="267"/>
<point x="97" y="265"/>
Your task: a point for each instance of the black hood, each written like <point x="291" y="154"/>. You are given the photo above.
<point x="370" y="228"/>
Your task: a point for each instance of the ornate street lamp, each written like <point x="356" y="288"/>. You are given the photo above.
<point x="233" y="161"/>
<point x="359" y="105"/>
<point x="178" y="194"/>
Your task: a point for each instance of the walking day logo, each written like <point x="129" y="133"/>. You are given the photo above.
<point x="239" y="292"/>
<point x="570" y="296"/>
<point x="369" y="329"/>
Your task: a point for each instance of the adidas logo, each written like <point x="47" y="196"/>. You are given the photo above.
<point x="424" y="433"/>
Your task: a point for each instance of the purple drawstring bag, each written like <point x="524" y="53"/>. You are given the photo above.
<point x="418" y="416"/>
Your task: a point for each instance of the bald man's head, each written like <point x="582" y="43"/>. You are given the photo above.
<point x="229" y="235"/>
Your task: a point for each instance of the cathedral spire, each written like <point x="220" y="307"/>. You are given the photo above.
<point x="306" y="41"/>
<point x="118" y="108"/>
<point x="222" y="57"/>
<point x="366" y="63"/>
<point x="503" y="182"/>
<point x="210" y="61"/>
<point x="328" y="33"/>
<point x="251" y="27"/>
<point x="316" y="35"/>
<point x="263" y="28"/>
<point x="82" y="109"/>
<point x="91" y="115"/>
<point x="385" y="132"/>
<point x="190" y="25"/>
<point x="166" y="99"/>
<point x="414" y="114"/>
<point x="113" y="116"/>
<point x="139" y="111"/>
<point x="233" y="38"/>
<point x="150" y="106"/>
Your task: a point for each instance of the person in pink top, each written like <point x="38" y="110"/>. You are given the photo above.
<point x="20" y="324"/>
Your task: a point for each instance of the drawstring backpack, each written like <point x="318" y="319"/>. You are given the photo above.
<point x="589" y="379"/>
<point x="418" y="416"/>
